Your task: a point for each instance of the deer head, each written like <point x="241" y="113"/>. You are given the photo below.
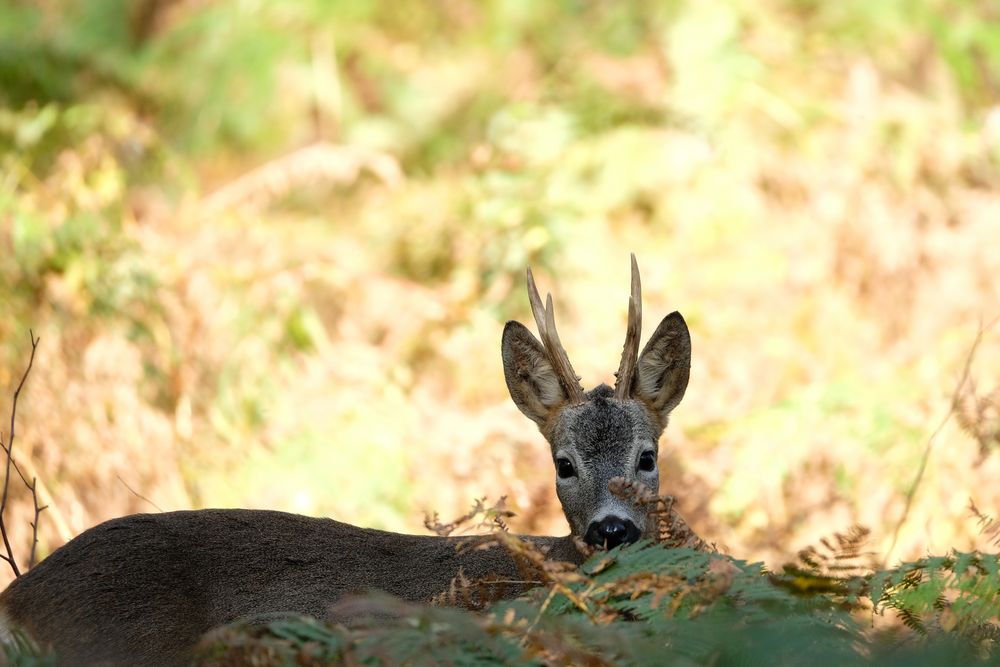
<point x="602" y="433"/>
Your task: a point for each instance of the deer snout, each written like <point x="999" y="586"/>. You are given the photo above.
<point x="611" y="531"/>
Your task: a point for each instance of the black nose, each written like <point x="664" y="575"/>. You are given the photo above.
<point x="611" y="531"/>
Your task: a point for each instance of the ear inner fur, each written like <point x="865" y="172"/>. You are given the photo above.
<point x="531" y="380"/>
<point x="664" y="366"/>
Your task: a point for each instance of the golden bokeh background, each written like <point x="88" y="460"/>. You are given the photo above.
<point x="269" y="248"/>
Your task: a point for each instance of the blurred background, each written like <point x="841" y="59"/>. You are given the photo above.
<point x="269" y="248"/>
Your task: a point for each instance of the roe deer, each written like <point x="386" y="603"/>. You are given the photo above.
<point x="142" y="589"/>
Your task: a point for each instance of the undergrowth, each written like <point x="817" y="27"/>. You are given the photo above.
<point x="650" y="605"/>
<point x="672" y="599"/>
<point x="655" y="603"/>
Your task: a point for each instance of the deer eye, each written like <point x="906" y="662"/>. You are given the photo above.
<point x="647" y="461"/>
<point x="564" y="468"/>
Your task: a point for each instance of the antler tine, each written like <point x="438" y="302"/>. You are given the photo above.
<point x="557" y="354"/>
<point x="630" y="353"/>
<point x="546" y="323"/>
<point x="536" y="305"/>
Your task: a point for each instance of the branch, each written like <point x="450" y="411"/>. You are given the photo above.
<point x="138" y="495"/>
<point x="34" y="523"/>
<point x="8" y="450"/>
<point x="952" y="405"/>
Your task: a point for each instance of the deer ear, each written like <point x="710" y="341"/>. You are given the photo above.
<point x="664" y="366"/>
<point x="531" y="380"/>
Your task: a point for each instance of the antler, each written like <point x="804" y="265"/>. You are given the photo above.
<point x="545" y="320"/>
<point x="630" y="354"/>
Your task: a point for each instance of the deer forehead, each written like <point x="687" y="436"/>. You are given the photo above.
<point x="604" y="427"/>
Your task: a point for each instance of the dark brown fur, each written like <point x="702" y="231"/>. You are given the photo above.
<point x="142" y="589"/>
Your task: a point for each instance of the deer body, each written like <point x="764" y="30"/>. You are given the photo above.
<point x="142" y="589"/>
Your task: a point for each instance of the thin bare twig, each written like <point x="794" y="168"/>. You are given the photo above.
<point x="493" y="517"/>
<point x="137" y="494"/>
<point x="34" y="523"/>
<point x="952" y="405"/>
<point x="33" y="487"/>
<point x="9" y="451"/>
<point x="538" y="616"/>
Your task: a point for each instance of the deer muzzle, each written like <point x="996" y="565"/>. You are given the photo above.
<point x="612" y="531"/>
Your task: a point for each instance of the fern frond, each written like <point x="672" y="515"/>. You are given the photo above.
<point x="988" y="526"/>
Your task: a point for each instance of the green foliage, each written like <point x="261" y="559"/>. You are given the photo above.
<point x="68" y="170"/>
<point x="959" y="593"/>
<point x="649" y="605"/>
<point x="20" y="651"/>
<point x="245" y="53"/>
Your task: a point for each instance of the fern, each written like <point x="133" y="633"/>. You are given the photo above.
<point x="21" y="651"/>
<point x="988" y="526"/>
<point x="649" y="605"/>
